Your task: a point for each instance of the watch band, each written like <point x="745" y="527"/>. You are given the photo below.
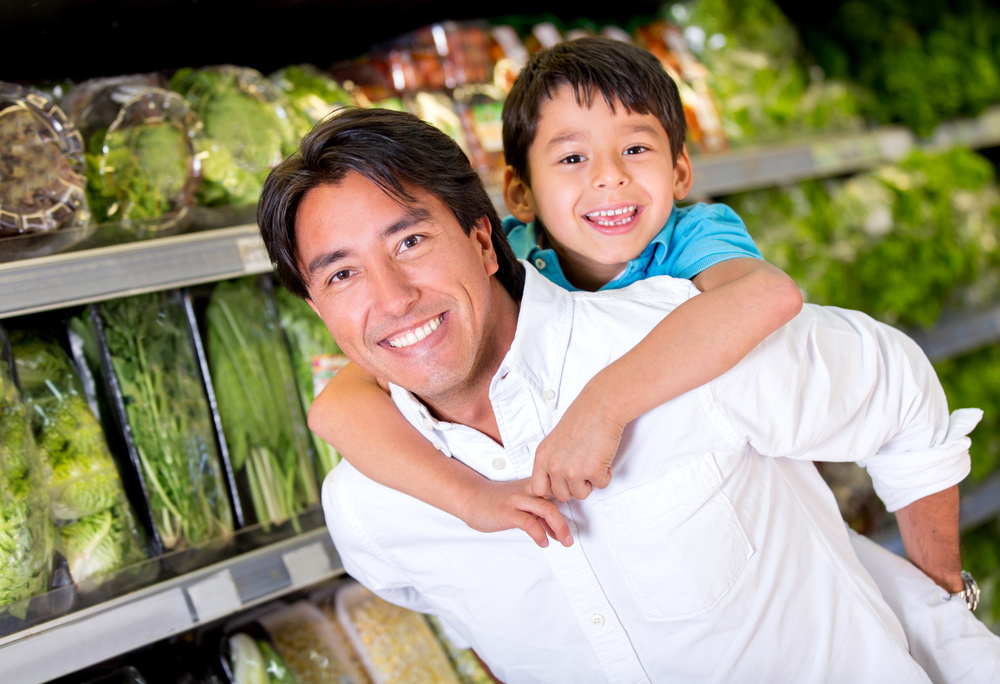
<point x="970" y="591"/>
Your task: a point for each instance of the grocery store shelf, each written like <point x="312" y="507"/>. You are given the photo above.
<point x="62" y="280"/>
<point x="115" y="627"/>
<point x="760" y="167"/>
<point x="976" y="133"/>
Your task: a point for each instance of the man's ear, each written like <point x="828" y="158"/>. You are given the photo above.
<point x="683" y="174"/>
<point x="517" y="196"/>
<point x="482" y="233"/>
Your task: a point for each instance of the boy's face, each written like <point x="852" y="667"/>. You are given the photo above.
<point x="603" y="184"/>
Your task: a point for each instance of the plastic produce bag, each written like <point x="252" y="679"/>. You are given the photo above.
<point x="312" y="95"/>
<point x="42" y="196"/>
<point x="258" y="401"/>
<point x="315" y="359"/>
<point x="25" y="528"/>
<point x="143" y="168"/>
<point x="247" y="126"/>
<point x="98" y="531"/>
<point x="169" y="424"/>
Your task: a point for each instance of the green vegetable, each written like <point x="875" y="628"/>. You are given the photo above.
<point x="247" y="129"/>
<point x="258" y="401"/>
<point x="82" y="480"/>
<point x="315" y="357"/>
<point x="168" y="416"/>
<point x="311" y="94"/>
<point x="278" y="671"/>
<point x="25" y="532"/>
<point x="246" y="660"/>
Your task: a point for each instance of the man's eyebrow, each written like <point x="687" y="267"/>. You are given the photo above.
<point x="413" y="216"/>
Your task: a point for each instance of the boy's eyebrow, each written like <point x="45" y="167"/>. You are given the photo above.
<point x="413" y="216"/>
<point x="574" y="136"/>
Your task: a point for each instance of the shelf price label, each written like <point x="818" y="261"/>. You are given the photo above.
<point x="253" y="255"/>
<point x="308" y="565"/>
<point x="214" y="597"/>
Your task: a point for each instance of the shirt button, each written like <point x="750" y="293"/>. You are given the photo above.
<point x="499" y="463"/>
<point x="540" y="263"/>
<point x="597" y="620"/>
<point x="438" y="445"/>
<point x="548" y="395"/>
<point x="428" y="424"/>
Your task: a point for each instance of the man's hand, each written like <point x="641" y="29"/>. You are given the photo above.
<point x="500" y="506"/>
<point x="576" y="456"/>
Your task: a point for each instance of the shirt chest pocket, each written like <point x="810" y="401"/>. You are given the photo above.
<point x="677" y="541"/>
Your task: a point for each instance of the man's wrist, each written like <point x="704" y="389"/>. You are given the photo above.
<point x="969" y="593"/>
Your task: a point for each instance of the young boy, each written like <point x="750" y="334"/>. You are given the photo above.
<point x="593" y="207"/>
<point x="594" y="141"/>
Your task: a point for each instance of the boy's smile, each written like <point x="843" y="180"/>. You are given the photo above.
<point x="603" y="184"/>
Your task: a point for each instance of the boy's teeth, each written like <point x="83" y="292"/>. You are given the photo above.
<point x="613" y="214"/>
<point x="416" y="335"/>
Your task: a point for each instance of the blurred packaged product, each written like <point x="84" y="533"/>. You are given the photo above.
<point x="397" y="646"/>
<point x="263" y="423"/>
<point x="312" y="94"/>
<point x="143" y="142"/>
<point x="507" y="54"/>
<point x="248" y="130"/>
<point x="154" y="384"/>
<point x="98" y="531"/>
<point x="312" y="648"/>
<point x="43" y="204"/>
<point x="26" y="537"/>
<point x="480" y="109"/>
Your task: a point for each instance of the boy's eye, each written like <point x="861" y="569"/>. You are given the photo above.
<point x="572" y="159"/>
<point x="636" y="149"/>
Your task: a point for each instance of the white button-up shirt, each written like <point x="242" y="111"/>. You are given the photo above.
<point x="717" y="553"/>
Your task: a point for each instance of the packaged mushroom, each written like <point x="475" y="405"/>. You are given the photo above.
<point x="43" y="207"/>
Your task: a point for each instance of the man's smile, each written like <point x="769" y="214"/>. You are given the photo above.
<point x="414" y="335"/>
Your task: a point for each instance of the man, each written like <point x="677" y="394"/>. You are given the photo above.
<point x="717" y="552"/>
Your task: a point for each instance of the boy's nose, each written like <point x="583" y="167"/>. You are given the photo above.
<point x="610" y="174"/>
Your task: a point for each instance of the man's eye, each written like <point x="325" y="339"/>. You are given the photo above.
<point x="572" y="159"/>
<point x="340" y="276"/>
<point x="410" y="242"/>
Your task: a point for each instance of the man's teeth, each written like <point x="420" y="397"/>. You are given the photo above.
<point x="416" y="334"/>
<point x="612" y="217"/>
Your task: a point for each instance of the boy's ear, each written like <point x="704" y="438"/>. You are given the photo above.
<point x="517" y="196"/>
<point x="683" y="174"/>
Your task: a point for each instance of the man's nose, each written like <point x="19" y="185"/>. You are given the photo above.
<point x="392" y="290"/>
<point x="609" y="172"/>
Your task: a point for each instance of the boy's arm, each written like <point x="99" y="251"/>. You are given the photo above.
<point x="743" y="301"/>
<point x="356" y="415"/>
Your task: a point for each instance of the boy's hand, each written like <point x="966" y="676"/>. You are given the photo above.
<point x="500" y="506"/>
<point x="576" y="456"/>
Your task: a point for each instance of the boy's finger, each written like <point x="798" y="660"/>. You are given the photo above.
<point x="581" y="489"/>
<point x="549" y="516"/>
<point x="540" y="485"/>
<point x="534" y="529"/>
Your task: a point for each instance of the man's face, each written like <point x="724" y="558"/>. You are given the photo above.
<point x="404" y="291"/>
<point x="603" y="183"/>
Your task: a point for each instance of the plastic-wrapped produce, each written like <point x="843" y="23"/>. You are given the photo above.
<point x="25" y="528"/>
<point x="464" y="660"/>
<point x="162" y="404"/>
<point x="247" y="127"/>
<point x="143" y="167"/>
<point x="312" y="95"/>
<point x="42" y="195"/>
<point x="98" y="531"/>
<point x="262" y="418"/>
<point x="311" y="647"/>
<point x="396" y="645"/>
<point x="315" y="358"/>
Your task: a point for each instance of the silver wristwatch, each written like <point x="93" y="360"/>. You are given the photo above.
<point x="970" y="591"/>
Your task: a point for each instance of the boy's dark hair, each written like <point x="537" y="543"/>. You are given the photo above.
<point x="621" y="72"/>
<point x="398" y="152"/>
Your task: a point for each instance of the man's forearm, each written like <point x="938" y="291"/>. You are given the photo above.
<point x="929" y="528"/>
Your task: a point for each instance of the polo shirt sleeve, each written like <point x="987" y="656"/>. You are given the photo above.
<point x="705" y="235"/>
<point x="836" y="385"/>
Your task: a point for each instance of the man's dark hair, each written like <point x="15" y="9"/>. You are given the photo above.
<point x="622" y="73"/>
<point x="399" y="153"/>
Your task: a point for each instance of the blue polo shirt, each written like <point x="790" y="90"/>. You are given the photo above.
<point x="695" y="237"/>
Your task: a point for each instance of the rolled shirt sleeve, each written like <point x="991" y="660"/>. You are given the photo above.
<point x="836" y="385"/>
